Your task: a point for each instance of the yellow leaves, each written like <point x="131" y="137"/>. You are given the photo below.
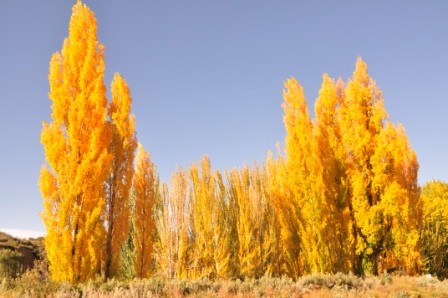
<point x="351" y="171"/>
<point x="120" y="106"/>
<point x="343" y="195"/>
<point x="144" y="191"/>
<point x="360" y="75"/>
<point x="255" y="228"/>
<point x="327" y="103"/>
<point x="122" y="147"/>
<point x="173" y="222"/>
<point x="434" y="232"/>
<point x="76" y="145"/>
<point x="205" y="210"/>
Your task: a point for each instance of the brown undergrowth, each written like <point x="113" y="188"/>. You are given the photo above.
<point x="35" y="283"/>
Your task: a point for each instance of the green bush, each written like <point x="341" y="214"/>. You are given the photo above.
<point x="11" y="263"/>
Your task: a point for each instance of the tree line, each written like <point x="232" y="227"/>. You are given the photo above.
<point x="341" y="196"/>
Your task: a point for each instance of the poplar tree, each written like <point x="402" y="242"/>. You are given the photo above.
<point x="382" y="179"/>
<point x="255" y="221"/>
<point x="248" y="215"/>
<point x="298" y="164"/>
<point x="330" y="178"/>
<point x="173" y="221"/>
<point x="277" y="256"/>
<point x="204" y="219"/>
<point x="348" y="198"/>
<point x="395" y="170"/>
<point x="224" y="234"/>
<point x="212" y="225"/>
<point x="76" y="144"/>
<point x="434" y="231"/>
<point x="123" y="145"/>
<point x="144" y="186"/>
<point x="305" y="167"/>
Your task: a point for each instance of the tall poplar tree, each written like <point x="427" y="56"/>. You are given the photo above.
<point x="382" y="179"/>
<point x="76" y="144"/>
<point x="298" y="164"/>
<point x="305" y="169"/>
<point x="247" y="217"/>
<point x="123" y="145"/>
<point x="254" y="221"/>
<point x="204" y="219"/>
<point x="395" y="170"/>
<point x="280" y="225"/>
<point x="173" y="221"/>
<point x="144" y="186"/>
<point x="330" y="180"/>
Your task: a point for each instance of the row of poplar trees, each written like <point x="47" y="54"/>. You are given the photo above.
<point x="341" y="197"/>
<point x="89" y="148"/>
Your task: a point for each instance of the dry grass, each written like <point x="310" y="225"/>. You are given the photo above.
<point x="318" y="285"/>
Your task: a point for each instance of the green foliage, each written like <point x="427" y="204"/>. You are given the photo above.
<point x="11" y="263"/>
<point x="127" y="255"/>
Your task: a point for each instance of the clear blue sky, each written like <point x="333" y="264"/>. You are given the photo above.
<point x="207" y="76"/>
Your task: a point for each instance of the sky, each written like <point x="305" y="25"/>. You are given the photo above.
<point x="206" y="77"/>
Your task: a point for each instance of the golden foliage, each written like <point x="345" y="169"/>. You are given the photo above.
<point x="123" y="145"/>
<point x="350" y="182"/>
<point x="76" y="147"/>
<point x="173" y="221"/>
<point x="434" y="232"/>
<point x="144" y="185"/>
<point x="211" y="250"/>
<point x="342" y="198"/>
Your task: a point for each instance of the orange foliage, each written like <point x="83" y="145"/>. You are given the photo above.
<point x="76" y="147"/>
<point x="144" y="188"/>
<point x="123" y="145"/>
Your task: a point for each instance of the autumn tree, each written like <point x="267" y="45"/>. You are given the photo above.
<point x="224" y="231"/>
<point x="395" y="170"/>
<point x="211" y="229"/>
<point x="282" y="260"/>
<point x="76" y="144"/>
<point x="310" y="203"/>
<point x="362" y="117"/>
<point x="173" y="222"/>
<point x="348" y="198"/>
<point x="144" y="186"/>
<point x="203" y="263"/>
<point x="298" y="144"/>
<point x="255" y="221"/>
<point x="382" y="177"/>
<point x="331" y="179"/>
<point x="123" y="145"/>
<point x="434" y="232"/>
<point x="247" y="215"/>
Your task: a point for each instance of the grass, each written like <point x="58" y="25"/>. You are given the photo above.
<point x="34" y="284"/>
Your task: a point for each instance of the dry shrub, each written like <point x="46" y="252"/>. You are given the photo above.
<point x="35" y="283"/>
